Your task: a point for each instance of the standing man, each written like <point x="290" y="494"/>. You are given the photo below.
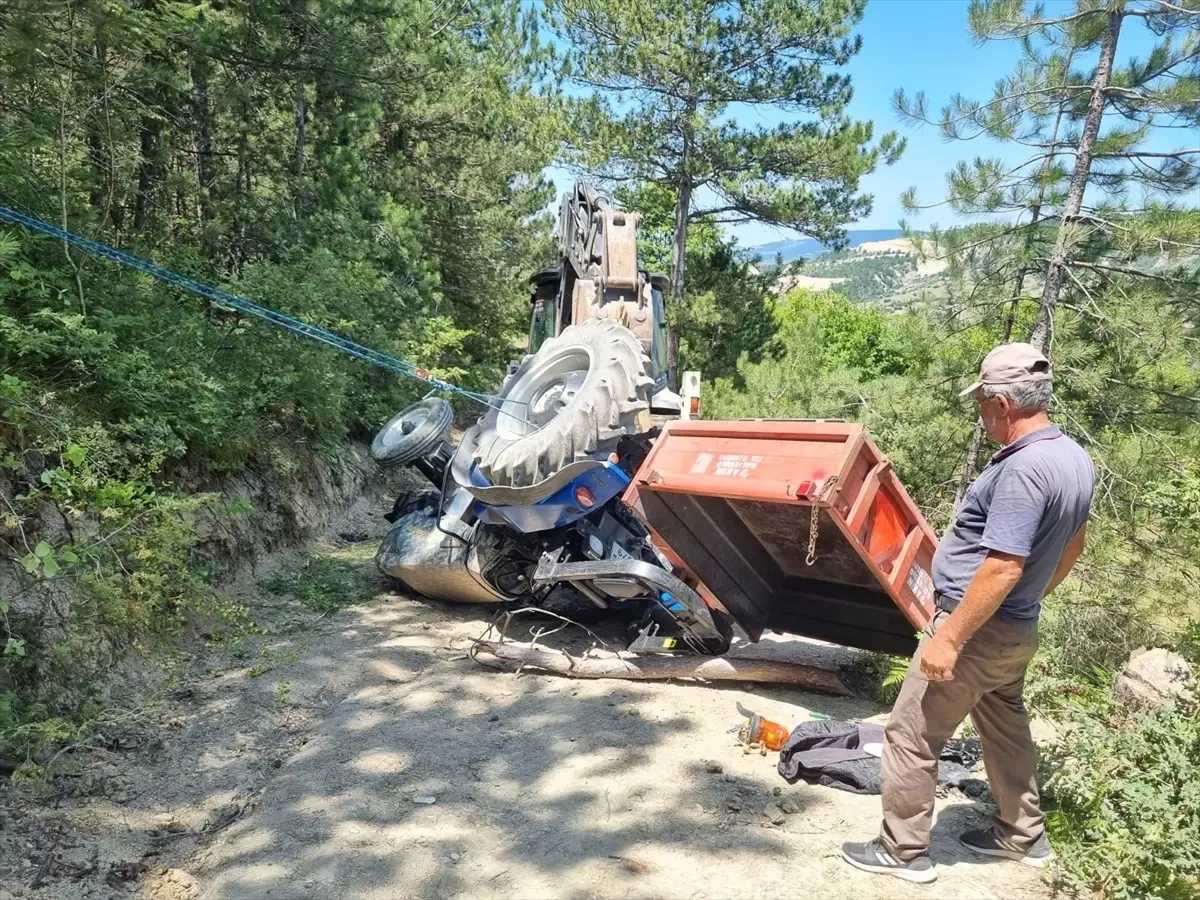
<point x="1015" y="537"/>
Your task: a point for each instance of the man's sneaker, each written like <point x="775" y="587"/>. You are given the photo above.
<point x="985" y="841"/>
<point x="874" y="857"/>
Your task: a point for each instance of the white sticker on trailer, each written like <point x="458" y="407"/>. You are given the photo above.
<point x="736" y="465"/>
<point x="920" y="583"/>
<point x="619" y="552"/>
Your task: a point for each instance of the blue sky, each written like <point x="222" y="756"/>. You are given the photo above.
<point x="921" y="45"/>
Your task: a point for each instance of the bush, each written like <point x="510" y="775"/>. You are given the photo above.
<point x="1122" y="798"/>
<point x="97" y="559"/>
<point x="877" y="676"/>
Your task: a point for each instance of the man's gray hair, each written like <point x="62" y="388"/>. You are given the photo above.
<point x="1027" y="396"/>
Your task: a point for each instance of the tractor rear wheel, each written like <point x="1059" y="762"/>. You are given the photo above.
<point x="580" y="392"/>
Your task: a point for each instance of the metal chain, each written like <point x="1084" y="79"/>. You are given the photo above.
<point x="821" y="495"/>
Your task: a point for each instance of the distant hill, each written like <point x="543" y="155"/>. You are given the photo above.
<point x="806" y="248"/>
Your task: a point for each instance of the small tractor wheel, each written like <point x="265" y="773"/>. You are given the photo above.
<point x="413" y="433"/>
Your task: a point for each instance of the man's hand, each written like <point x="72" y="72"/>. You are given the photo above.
<point x="996" y="576"/>
<point x="938" y="659"/>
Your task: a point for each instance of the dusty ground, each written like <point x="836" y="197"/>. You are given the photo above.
<point x="357" y="752"/>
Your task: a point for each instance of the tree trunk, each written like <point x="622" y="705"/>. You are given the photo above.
<point x="301" y="127"/>
<point x="241" y="194"/>
<point x="678" y="252"/>
<point x="99" y="156"/>
<point x="660" y="668"/>
<point x="971" y="461"/>
<point x="300" y="10"/>
<point x="147" y="172"/>
<point x="1079" y="179"/>
<point x="683" y="208"/>
<point x="204" y="139"/>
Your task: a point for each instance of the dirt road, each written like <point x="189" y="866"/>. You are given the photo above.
<point x="370" y="758"/>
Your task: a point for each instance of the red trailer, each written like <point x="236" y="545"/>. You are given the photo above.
<point x="791" y="526"/>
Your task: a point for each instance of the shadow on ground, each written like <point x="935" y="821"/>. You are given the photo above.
<point x="540" y="787"/>
<point x="533" y="777"/>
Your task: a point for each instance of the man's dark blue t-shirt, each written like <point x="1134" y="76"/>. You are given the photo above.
<point x="1032" y="498"/>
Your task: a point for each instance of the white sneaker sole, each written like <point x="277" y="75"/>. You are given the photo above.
<point x="927" y="877"/>
<point x="1034" y="862"/>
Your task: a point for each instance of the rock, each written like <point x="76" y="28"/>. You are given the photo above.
<point x="223" y="815"/>
<point x="712" y="767"/>
<point x="169" y="823"/>
<point x="790" y="805"/>
<point x="975" y="788"/>
<point x="777" y="791"/>
<point x="774" y="814"/>
<point x="425" y="801"/>
<point x="1152" y="678"/>
<point x="174" y="884"/>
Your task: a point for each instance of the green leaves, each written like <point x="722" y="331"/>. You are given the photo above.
<point x="45" y="561"/>
<point x="662" y="78"/>
<point x="1121" y="803"/>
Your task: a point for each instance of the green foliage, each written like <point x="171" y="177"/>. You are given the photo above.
<point x="370" y="167"/>
<point x="119" y="573"/>
<point x="1187" y="642"/>
<point x="863" y="276"/>
<point x="283" y="689"/>
<point x="878" y="676"/>
<point x="729" y="310"/>
<point x="850" y="361"/>
<point x="667" y="75"/>
<point x="326" y="583"/>
<point x="1122" y="800"/>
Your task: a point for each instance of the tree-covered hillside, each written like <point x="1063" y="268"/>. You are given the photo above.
<point x="375" y="167"/>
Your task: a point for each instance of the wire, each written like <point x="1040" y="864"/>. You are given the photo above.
<point x="250" y="308"/>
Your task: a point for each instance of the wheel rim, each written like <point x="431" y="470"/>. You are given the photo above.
<point x="401" y="427"/>
<point x="541" y="394"/>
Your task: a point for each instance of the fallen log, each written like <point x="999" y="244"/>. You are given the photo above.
<point x="657" y="668"/>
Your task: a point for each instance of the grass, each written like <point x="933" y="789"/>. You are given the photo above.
<point x="329" y="581"/>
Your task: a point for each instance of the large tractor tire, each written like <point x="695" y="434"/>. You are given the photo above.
<point x="580" y="391"/>
<point x="413" y="433"/>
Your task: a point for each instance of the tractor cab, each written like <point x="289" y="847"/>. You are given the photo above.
<point x="550" y="315"/>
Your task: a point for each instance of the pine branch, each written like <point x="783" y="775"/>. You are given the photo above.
<point x="1176" y="9"/>
<point x="1137" y="273"/>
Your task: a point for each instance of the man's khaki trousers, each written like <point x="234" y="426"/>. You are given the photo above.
<point x="988" y="681"/>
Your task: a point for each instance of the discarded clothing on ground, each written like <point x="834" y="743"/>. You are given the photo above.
<point x="841" y="755"/>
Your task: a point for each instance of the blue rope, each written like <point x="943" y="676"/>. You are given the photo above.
<point x="216" y="295"/>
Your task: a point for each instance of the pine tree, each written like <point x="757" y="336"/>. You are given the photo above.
<point x="665" y="80"/>
<point x="1086" y="129"/>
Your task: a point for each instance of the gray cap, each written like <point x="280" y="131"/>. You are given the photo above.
<point x="1011" y="364"/>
